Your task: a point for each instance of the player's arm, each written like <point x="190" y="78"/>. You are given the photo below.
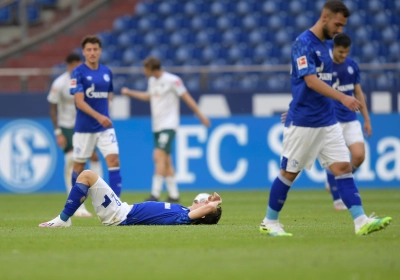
<point x="359" y="95"/>
<point x="193" y="106"/>
<point x="86" y="108"/>
<point x="204" y="210"/>
<point x="141" y="95"/>
<point x="53" y="99"/>
<point x="321" y="87"/>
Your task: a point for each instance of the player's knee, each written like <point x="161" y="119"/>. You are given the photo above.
<point x="340" y="168"/>
<point x="87" y="177"/>
<point x="112" y="161"/>
<point x="358" y="159"/>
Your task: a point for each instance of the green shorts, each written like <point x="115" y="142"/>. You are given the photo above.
<point x="163" y="139"/>
<point x="68" y="132"/>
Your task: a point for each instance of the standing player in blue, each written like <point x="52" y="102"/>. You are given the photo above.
<point x="311" y="128"/>
<point x="346" y="79"/>
<point x="112" y="212"/>
<point x="92" y="87"/>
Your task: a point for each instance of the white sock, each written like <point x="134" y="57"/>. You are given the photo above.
<point x="360" y="221"/>
<point x="266" y="221"/>
<point x="96" y="167"/>
<point x="157" y="186"/>
<point x="68" y="165"/>
<point x="172" y="187"/>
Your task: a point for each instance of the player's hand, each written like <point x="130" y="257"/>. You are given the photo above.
<point x="283" y="117"/>
<point x="351" y="103"/>
<point x="125" y="91"/>
<point x="104" y="121"/>
<point x="204" y="120"/>
<point x="367" y="129"/>
<point x="61" y="141"/>
<point x="215" y="198"/>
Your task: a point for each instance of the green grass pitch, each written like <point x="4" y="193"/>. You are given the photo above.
<point x="324" y="245"/>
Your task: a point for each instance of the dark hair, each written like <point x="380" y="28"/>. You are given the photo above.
<point x="337" y="6"/>
<point x="72" y="57"/>
<point x="152" y="63"/>
<point x="93" y="39"/>
<point x="342" y="40"/>
<point x="210" y="219"/>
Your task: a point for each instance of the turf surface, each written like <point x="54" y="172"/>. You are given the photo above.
<point x="324" y="245"/>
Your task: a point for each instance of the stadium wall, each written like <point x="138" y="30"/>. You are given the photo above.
<point x="236" y="153"/>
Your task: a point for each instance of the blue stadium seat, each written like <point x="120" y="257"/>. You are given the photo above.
<point x="350" y="5"/>
<point x="303" y="22"/>
<point x="193" y="83"/>
<point x="151" y="39"/>
<point x="255" y="38"/>
<point x="374" y="6"/>
<point x="251" y="22"/>
<point x="228" y="21"/>
<point x="390" y="34"/>
<point x="275" y="22"/>
<point x="108" y="38"/>
<point x="356" y="20"/>
<point x="244" y="8"/>
<point x="218" y="8"/>
<point x="165" y="8"/>
<point x="361" y="35"/>
<point x="33" y="13"/>
<point x="282" y="37"/>
<point x="149" y="23"/>
<point x="183" y="53"/>
<point x="318" y="6"/>
<point x="381" y="19"/>
<point x="121" y="24"/>
<point x="394" y="52"/>
<point x="6" y="15"/>
<point x="270" y="7"/>
<point x="145" y="8"/>
<point x="193" y="8"/>
<point x="130" y="56"/>
<point x="368" y="52"/>
<point x="397" y="6"/>
<point x="296" y="7"/>
<point x="176" y="39"/>
<point x="262" y="52"/>
<point x="286" y="53"/>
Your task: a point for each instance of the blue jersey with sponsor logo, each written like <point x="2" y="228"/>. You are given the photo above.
<point x="309" y="108"/>
<point x="95" y="85"/>
<point x="345" y="76"/>
<point x="158" y="213"/>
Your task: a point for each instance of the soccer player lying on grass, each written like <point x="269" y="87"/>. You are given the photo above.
<point x="112" y="212"/>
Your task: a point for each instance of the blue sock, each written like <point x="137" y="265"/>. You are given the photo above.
<point x="277" y="197"/>
<point x="74" y="177"/>
<point x="76" y="197"/>
<point x="115" y="180"/>
<point x="332" y="185"/>
<point x="349" y="194"/>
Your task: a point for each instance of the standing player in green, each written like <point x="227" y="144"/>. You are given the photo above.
<point x="63" y="115"/>
<point x="164" y="91"/>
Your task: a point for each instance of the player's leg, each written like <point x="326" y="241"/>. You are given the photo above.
<point x="69" y="165"/>
<point x="357" y="151"/>
<point x="108" y="146"/>
<point x="76" y="197"/>
<point x="335" y="155"/>
<point x="173" y="192"/>
<point x="83" y="144"/>
<point x="300" y="148"/>
<point x="95" y="164"/>
<point x="160" y="164"/>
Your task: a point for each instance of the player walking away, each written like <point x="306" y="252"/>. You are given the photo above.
<point x="163" y="91"/>
<point x="346" y="79"/>
<point x="112" y="212"/>
<point x="92" y="87"/>
<point x="311" y="128"/>
<point x="63" y="114"/>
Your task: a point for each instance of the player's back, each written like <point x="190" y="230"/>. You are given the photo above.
<point x="310" y="56"/>
<point x="95" y="85"/>
<point x="158" y="213"/>
<point x="345" y="76"/>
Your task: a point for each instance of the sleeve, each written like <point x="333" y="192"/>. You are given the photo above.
<point x="76" y="84"/>
<point x="54" y="95"/>
<point x="356" y="73"/>
<point x="178" y="86"/>
<point x="111" y="86"/>
<point x="303" y="62"/>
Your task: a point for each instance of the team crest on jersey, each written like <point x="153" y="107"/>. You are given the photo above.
<point x="318" y="53"/>
<point x="294" y="163"/>
<point x="302" y="62"/>
<point x="73" y="83"/>
<point x="350" y="70"/>
<point x="106" y="77"/>
<point x="89" y="78"/>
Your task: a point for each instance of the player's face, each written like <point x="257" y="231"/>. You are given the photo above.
<point x="333" y="24"/>
<point x="340" y="53"/>
<point x="91" y="52"/>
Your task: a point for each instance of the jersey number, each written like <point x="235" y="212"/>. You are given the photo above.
<point x="113" y="140"/>
<point x="107" y="201"/>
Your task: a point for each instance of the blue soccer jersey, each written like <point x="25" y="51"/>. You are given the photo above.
<point x="309" y="108"/>
<point x="158" y="213"/>
<point x="95" y="85"/>
<point x="345" y="76"/>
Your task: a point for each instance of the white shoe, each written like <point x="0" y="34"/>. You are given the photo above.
<point x="82" y="212"/>
<point x="56" y="222"/>
<point x="371" y="224"/>
<point x="339" y="205"/>
<point x="273" y="229"/>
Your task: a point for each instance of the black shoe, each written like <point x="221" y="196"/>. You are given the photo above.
<point x="151" y="198"/>
<point x="172" y="200"/>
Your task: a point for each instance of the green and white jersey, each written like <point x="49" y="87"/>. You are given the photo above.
<point x="165" y="93"/>
<point x="59" y="94"/>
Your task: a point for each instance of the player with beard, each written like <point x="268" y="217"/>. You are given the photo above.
<point x="311" y="128"/>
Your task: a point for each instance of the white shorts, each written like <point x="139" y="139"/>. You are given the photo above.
<point x="352" y="132"/>
<point x="109" y="208"/>
<point x="302" y="145"/>
<point x="84" y="144"/>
